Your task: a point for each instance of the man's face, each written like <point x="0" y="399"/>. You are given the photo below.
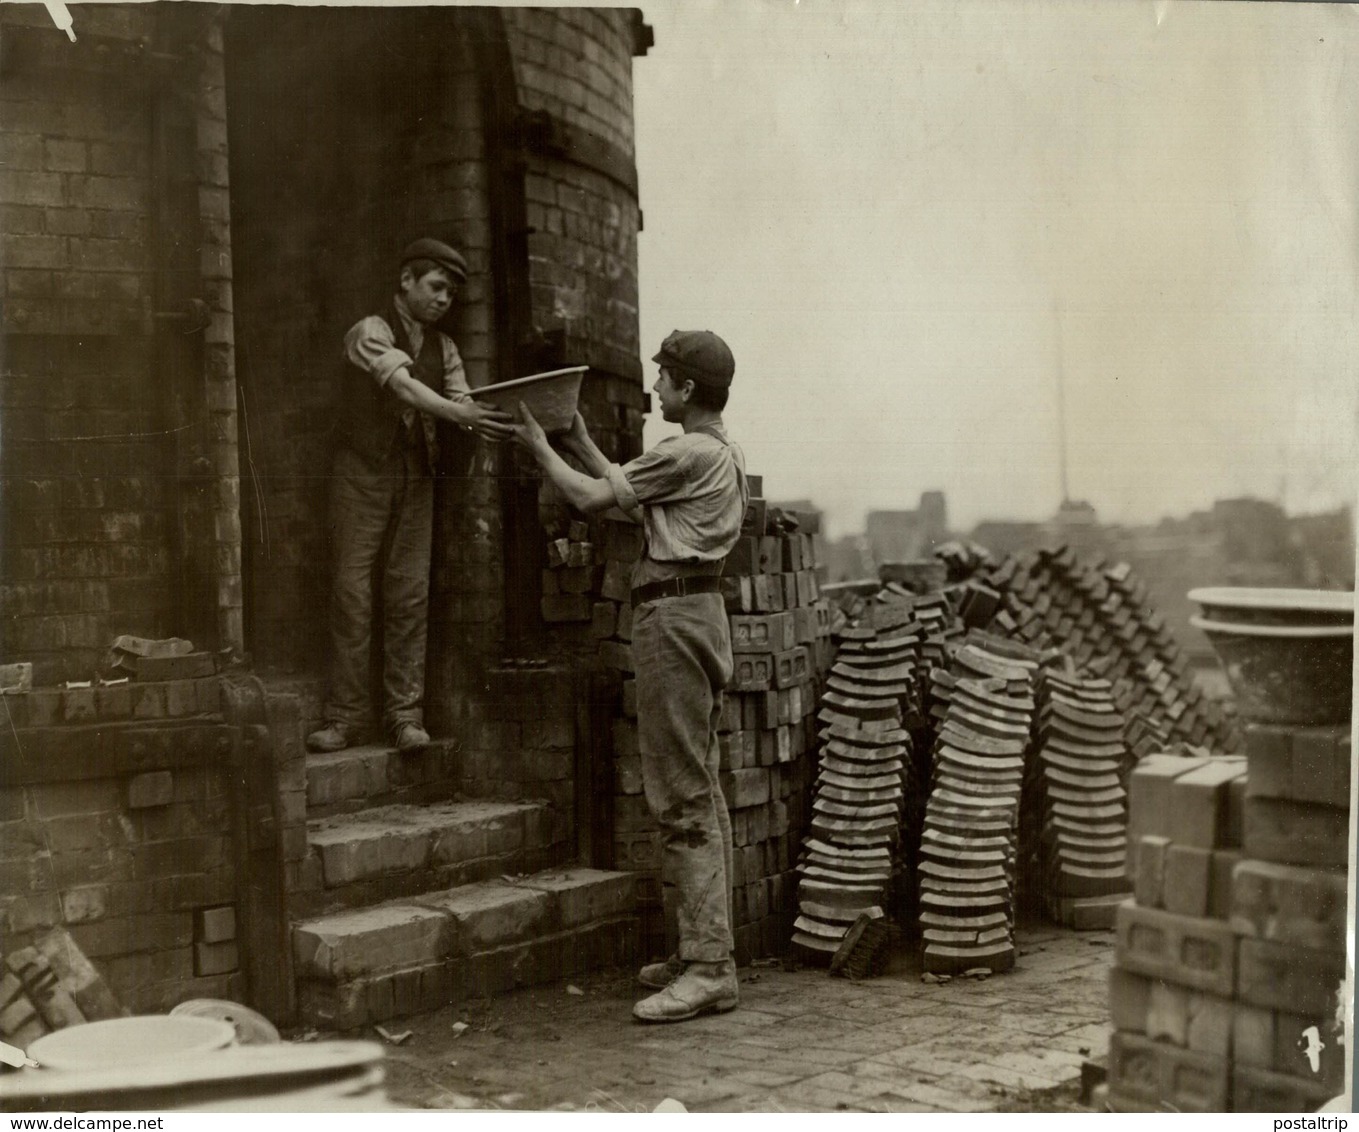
<point x="429" y="297"/>
<point x="671" y="396"/>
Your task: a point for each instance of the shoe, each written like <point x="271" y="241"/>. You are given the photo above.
<point x="334" y="736"/>
<point x="703" y="988"/>
<point x="658" y="976"/>
<point x="410" y="735"/>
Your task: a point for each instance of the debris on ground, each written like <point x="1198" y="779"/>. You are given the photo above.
<point x="571" y="988"/>
<point x="395" y="1037"/>
<point x="460" y="1028"/>
<point x="977" y="973"/>
<point x="863" y="951"/>
<point x="931" y="977"/>
<point x="48" y="986"/>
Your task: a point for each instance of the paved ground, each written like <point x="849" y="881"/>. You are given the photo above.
<point x="800" y="1041"/>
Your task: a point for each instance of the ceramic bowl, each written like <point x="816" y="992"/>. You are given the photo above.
<point x="130" y="1041"/>
<point x="1293" y="674"/>
<point x="1244" y="605"/>
<point x="551" y="397"/>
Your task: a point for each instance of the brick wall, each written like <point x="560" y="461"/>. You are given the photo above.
<point x="96" y="440"/>
<point x="85" y="525"/>
<point x="115" y="822"/>
<point x="576" y="63"/>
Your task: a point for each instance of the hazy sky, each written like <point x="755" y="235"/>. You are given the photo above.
<point x="908" y="218"/>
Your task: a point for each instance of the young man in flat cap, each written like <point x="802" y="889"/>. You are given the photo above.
<point x="690" y="494"/>
<point x="400" y="376"/>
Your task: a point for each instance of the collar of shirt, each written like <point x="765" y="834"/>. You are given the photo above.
<point x="415" y="330"/>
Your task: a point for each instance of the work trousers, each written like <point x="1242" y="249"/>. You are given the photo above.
<point x="381" y="522"/>
<point x="681" y="649"/>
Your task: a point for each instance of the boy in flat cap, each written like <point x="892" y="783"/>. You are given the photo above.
<point x="400" y="376"/>
<point x="690" y="493"/>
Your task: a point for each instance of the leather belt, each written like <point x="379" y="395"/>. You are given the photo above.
<point x="677" y="587"/>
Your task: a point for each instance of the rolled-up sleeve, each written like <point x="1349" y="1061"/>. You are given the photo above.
<point x="371" y="345"/>
<point x="655" y="476"/>
<point x="622" y="490"/>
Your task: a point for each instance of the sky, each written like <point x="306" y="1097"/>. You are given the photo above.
<point x="915" y="223"/>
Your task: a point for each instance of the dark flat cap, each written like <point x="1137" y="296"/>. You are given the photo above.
<point x="440" y="253"/>
<point x="699" y="355"/>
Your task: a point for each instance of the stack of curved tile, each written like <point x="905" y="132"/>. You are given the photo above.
<point x="984" y="707"/>
<point x="1100" y="616"/>
<point x="1081" y="768"/>
<point x="849" y="860"/>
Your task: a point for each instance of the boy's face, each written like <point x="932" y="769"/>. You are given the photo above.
<point x="429" y="297"/>
<point x="671" y="396"/>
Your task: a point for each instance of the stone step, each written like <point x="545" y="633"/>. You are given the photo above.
<point x="424" y="952"/>
<point x="376" y="854"/>
<point x="352" y="774"/>
<point x="341" y="782"/>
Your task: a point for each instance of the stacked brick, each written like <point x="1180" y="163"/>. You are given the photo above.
<point x="1231" y="954"/>
<point x="1099" y="616"/>
<point x="571" y="576"/>
<point x="1076" y="800"/>
<point x="984" y="707"/>
<point x="780" y="632"/>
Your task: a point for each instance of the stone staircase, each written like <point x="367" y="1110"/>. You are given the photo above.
<point x="407" y="903"/>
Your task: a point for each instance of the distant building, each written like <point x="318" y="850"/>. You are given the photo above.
<point x="898" y="536"/>
<point x="1003" y="536"/>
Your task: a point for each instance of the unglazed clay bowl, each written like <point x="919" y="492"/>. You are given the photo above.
<point x="1293" y="674"/>
<point x="1238" y="605"/>
<point x="551" y="397"/>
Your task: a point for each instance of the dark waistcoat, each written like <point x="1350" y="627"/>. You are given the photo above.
<point x="369" y="420"/>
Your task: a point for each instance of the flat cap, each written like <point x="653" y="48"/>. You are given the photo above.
<point x="699" y="355"/>
<point x="440" y="253"/>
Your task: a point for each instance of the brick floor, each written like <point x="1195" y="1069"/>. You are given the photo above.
<point x="801" y="1041"/>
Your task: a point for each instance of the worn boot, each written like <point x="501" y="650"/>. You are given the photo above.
<point x="409" y="736"/>
<point x="335" y="735"/>
<point x="703" y="988"/>
<point x="658" y="976"/>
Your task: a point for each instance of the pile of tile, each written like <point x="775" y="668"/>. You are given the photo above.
<point x="1231" y="955"/>
<point x="1076" y="801"/>
<point x="983" y="704"/>
<point x="780" y="632"/>
<point x="1098" y="615"/>
<point x="848" y="863"/>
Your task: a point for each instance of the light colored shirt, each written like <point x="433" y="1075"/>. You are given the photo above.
<point x="371" y="345"/>
<point x="691" y="490"/>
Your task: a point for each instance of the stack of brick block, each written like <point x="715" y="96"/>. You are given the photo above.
<point x="1099" y="616"/>
<point x="1078" y="800"/>
<point x="781" y="648"/>
<point x="984" y="706"/>
<point x="864" y="777"/>
<point x="1288" y="909"/>
<point x="1231" y="954"/>
<point x="571" y="576"/>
